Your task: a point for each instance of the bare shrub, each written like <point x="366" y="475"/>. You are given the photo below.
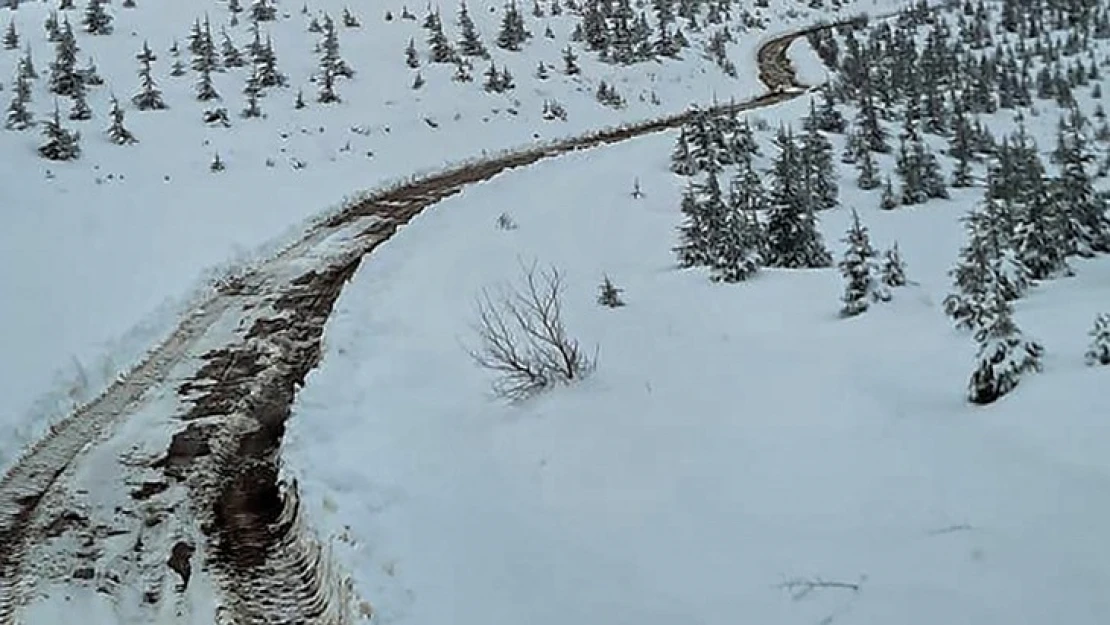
<point x="522" y="337"/>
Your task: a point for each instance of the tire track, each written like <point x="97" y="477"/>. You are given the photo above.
<point x="265" y="562"/>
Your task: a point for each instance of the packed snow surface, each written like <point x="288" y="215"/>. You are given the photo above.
<point x="736" y="443"/>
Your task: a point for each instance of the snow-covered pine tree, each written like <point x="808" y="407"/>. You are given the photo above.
<point x="828" y="117"/>
<point x="11" y="37"/>
<point x="231" y="56"/>
<point x="252" y="90"/>
<point x="987" y="265"/>
<point x="17" y="116"/>
<point x="442" y="51"/>
<point x="610" y="294"/>
<point x="736" y="245"/>
<point x="60" y="144"/>
<point x="117" y="132"/>
<point x="868" y="177"/>
<point x="149" y="97"/>
<point x="63" y="70"/>
<point x="1040" y="238"/>
<point x="96" y="20"/>
<point x="513" y="32"/>
<point x="470" y="42"/>
<point x="1098" y="352"/>
<point x="326" y="94"/>
<point x="682" y="161"/>
<point x="89" y="75"/>
<point x="1004" y="353"/>
<point x="894" y="268"/>
<point x="205" y="89"/>
<point x="570" y="62"/>
<point x="694" y="235"/>
<point x="793" y="239"/>
<point x="960" y="148"/>
<point x="80" y="110"/>
<point x="265" y="62"/>
<point x="329" y="47"/>
<point x="816" y="158"/>
<point x="412" y="57"/>
<point x="859" y="268"/>
<point x="889" y="199"/>
<point x="868" y="122"/>
<point x="349" y="19"/>
<point x="263" y="11"/>
<point x="205" y="57"/>
<point x="1085" y="210"/>
<point x="27" y="64"/>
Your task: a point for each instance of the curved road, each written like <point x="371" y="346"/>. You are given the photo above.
<point x="105" y="500"/>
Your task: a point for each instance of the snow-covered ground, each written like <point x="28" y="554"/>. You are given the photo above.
<point x="100" y="256"/>
<point x="735" y="442"/>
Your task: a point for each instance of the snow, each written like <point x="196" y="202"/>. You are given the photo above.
<point x="733" y="439"/>
<point x="807" y="65"/>
<point x="102" y="255"/>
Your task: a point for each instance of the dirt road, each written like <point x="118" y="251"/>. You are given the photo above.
<point x="167" y="529"/>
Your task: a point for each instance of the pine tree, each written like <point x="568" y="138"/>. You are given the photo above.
<point x="63" y="70"/>
<point x="817" y="166"/>
<point x="263" y="11"/>
<point x="513" y="32"/>
<point x="205" y="58"/>
<point x="149" y="97"/>
<point x="1098" y="353"/>
<point x="888" y="200"/>
<point x="97" y="21"/>
<point x="858" y="266"/>
<point x="868" y="178"/>
<point x="330" y="48"/>
<point x="349" y="20"/>
<point x="253" y="89"/>
<point x="1004" y="354"/>
<point x="119" y="134"/>
<point x="1089" y="223"/>
<point x="570" y="62"/>
<point x="868" y="122"/>
<point x="61" y="144"/>
<point x="265" y="62"/>
<point x="694" y="236"/>
<point x="470" y="43"/>
<point x="682" y="161"/>
<point x="17" y="116"/>
<point x="961" y="149"/>
<point x="442" y="52"/>
<point x="894" y="268"/>
<point x="80" y="110"/>
<point x="205" y="89"/>
<point x="1040" y="236"/>
<point x="11" y="37"/>
<point x="230" y="54"/>
<point x="987" y="265"/>
<point x="412" y="57"/>
<point x="610" y="294"/>
<point x="27" y="64"/>
<point x="793" y="240"/>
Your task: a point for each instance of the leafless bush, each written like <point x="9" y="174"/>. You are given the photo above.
<point x="523" y="339"/>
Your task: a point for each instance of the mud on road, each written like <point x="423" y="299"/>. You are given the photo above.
<point x="213" y="500"/>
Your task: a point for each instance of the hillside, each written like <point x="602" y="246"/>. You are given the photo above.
<point x="821" y="354"/>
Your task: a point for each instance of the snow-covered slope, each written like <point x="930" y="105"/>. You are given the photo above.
<point x="741" y="452"/>
<point x="100" y="255"/>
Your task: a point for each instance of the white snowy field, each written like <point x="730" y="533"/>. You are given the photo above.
<point x="100" y="256"/>
<point x="734" y="438"/>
